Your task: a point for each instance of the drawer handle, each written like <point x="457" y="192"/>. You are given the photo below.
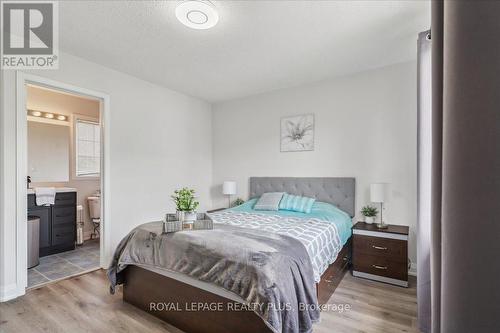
<point x="64" y="215"/>
<point x="379" y="267"/>
<point x="329" y="279"/>
<point x="379" y="247"/>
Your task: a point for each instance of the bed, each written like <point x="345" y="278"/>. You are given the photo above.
<point x="317" y="248"/>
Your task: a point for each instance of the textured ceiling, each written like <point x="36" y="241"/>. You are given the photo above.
<point x="257" y="46"/>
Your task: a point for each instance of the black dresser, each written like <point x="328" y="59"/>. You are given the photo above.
<point x="57" y="223"/>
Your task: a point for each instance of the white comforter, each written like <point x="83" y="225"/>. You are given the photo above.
<point x="320" y="238"/>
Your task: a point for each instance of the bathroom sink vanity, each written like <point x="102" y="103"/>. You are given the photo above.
<point x="57" y="222"/>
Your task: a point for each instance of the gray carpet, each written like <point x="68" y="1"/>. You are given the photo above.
<point x="61" y="265"/>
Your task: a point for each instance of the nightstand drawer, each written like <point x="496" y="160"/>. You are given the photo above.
<point x="392" y="249"/>
<point x="382" y="266"/>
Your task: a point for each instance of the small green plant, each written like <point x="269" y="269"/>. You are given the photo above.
<point x="369" y="211"/>
<point x="184" y="200"/>
<point x="238" y="201"/>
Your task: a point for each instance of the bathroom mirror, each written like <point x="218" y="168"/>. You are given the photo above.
<point x="48" y="152"/>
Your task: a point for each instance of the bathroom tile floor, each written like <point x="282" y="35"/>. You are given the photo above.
<point x="57" y="266"/>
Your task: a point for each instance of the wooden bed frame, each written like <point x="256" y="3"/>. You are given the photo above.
<point x="143" y="287"/>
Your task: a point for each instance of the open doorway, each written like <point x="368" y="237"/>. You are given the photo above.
<point x="64" y="190"/>
<point x="61" y="225"/>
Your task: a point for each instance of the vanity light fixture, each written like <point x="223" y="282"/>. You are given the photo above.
<point x="47" y="116"/>
<point x="197" y="14"/>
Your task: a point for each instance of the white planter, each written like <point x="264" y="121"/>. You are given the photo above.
<point x="180" y="215"/>
<point x="186" y="216"/>
<point x="189" y="216"/>
<point x="369" y="219"/>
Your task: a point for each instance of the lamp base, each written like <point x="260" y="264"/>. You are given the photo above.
<point x="381" y="225"/>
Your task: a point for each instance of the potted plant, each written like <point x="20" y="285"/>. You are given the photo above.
<point x="238" y="201"/>
<point x="185" y="204"/>
<point x="369" y="213"/>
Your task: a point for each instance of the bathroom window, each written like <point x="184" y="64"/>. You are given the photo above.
<point x="88" y="148"/>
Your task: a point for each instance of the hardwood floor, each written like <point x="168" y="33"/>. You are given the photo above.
<point x="83" y="304"/>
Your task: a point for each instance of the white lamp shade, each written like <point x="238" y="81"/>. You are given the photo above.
<point x="229" y="187"/>
<point x="377" y="192"/>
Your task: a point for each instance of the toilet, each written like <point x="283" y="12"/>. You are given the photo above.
<point x="95" y="213"/>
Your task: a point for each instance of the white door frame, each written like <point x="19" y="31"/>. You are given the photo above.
<point x="22" y="79"/>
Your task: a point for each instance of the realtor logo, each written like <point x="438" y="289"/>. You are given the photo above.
<point x="29" y="35"/>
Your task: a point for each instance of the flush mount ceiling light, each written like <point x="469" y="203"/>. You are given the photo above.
<point x="197" y="14"/>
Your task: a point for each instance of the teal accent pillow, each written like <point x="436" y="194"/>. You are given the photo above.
<point x="296" y="203"/>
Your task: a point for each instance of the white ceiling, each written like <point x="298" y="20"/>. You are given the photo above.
<point x="257" y="46"/>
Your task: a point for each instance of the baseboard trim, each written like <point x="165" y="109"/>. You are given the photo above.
<point x="10" y="291"/>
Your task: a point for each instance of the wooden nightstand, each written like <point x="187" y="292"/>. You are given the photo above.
<point x="380" y="254"/>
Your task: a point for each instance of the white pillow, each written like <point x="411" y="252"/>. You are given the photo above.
<point x="269" y="201"/>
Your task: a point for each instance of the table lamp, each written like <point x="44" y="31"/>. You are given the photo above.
<point x="377" y="194"/>
<point x="229" y="188"/>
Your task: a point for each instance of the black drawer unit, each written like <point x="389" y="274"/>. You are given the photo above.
<point x="57" y="223"/>
<point x="63" y="215"/>
<point x="62" y="235"/>
<point x="65" y="199"/>
<point x="31" y="201"/>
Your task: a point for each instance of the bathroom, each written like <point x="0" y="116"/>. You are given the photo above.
<point x="64" y="196"/>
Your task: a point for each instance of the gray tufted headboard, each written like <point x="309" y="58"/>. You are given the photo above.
<point x="337" y="191"/>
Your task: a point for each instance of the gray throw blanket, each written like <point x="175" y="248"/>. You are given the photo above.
<point x="265" y="269"/>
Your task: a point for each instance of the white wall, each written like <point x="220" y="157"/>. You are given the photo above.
<point x="159" y="140"/>
<point x="365" y="127"/>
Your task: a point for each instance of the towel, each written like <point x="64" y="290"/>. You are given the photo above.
<point x="45" y="196"/>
